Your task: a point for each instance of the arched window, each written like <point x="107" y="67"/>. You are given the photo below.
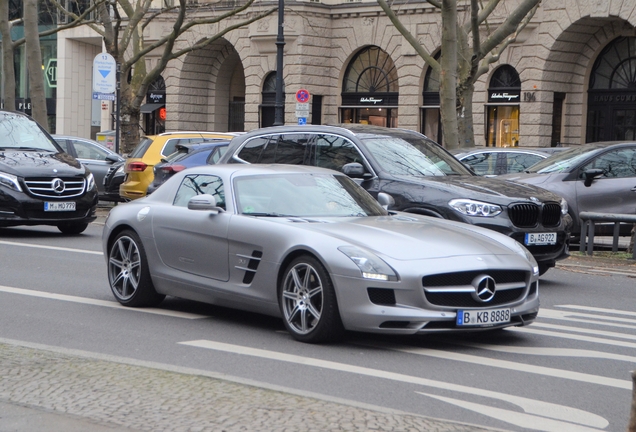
<point x="502" y="111"/>
<point x="370" y="89"/>
<point x="430" y="121"/>
<point x="615" y="67"/>
<point x="268" y="104"/>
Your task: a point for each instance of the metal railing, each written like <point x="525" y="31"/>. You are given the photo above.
<point x="588" y="221"/>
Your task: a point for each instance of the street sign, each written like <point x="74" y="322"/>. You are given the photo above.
<point x="302" y="96"/>
<point x="51" y="73"/>
<point x="302" y="107"/>
<point x="302" y="121"/>
<point x="104" y="74"/>
<point x="104" y="96"/>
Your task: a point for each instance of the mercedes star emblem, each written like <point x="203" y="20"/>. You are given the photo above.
<point x="484" y="288"/>
<point x="58" y="185"/>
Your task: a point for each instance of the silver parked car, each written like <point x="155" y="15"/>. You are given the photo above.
<point x="309" y="245"/>
<point x="595" y="177"/>
<point x="494" y="161"/>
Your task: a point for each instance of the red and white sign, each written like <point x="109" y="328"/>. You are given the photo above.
<point x="302" y="96"/>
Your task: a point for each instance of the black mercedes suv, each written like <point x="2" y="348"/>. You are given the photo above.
<point x="39" y="183"/>
<point x="422" y="178"/>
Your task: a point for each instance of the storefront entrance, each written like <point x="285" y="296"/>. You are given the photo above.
<point x="502" y="110"/>
<point x="370" y="90"/>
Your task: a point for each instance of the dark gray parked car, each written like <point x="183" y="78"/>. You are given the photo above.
<point x="422" y="178"/>
<point x="597" y="177"/>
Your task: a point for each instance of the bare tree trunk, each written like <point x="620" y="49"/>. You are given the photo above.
<point x="34" y="63"/>
<point x="465" y="117"/>
<point x="129" y="132"/>
<point x="448" y="74"/>
<point x="8" y="71"/>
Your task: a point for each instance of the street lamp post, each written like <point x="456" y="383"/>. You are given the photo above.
<point x="279" y="119"/>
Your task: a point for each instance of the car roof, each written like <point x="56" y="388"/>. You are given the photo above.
<point x="465" y="152"/>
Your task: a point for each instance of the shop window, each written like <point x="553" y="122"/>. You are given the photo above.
<point x="502" y="122"/>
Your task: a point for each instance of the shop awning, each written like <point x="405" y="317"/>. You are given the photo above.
<point x="151" y="107"/>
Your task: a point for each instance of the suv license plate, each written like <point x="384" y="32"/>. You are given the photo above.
<point x="59" y="206"/>
<point x="483" y="318"/>
<point x="540" y="239"/>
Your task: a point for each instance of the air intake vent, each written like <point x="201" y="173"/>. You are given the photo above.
<point x="551" y="215"/>
<point x="252" y="265"/>
<point x="381" y="296"/>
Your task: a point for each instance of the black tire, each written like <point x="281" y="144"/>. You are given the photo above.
<point x="72" y="228"/>
<point x="128" y="273"/>
<point x="308" y="302"/>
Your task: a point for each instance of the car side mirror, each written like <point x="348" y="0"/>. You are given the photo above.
<point x="355" y="170"/>
<point x="112" y="158"/>
<point x="591" y="174"/>
<point x="386" y="200"/>
<point x="205" y="202"/>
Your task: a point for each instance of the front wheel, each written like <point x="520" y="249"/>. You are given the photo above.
<point x="72" y="228"/>
<point x="308" y="302"/>
<point x="128" y="273"/>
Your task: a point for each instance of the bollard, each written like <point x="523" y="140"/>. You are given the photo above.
<point x="632" y="416"/>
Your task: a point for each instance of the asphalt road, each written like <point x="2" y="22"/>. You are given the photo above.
<point x="570" y="370"/>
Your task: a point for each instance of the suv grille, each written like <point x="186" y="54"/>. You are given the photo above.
<point x="525" y="215"/>
<point x="456" y="289"/>
<point x="55" y="187"/>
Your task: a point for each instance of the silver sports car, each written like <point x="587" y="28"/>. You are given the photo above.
<point x="311" y="246"/>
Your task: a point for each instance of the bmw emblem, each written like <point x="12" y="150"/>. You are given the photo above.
<point x="535" y="199"/>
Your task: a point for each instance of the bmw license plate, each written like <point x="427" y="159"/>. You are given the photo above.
<point x="482" y="318"/>
<point x="540" y="239"/>
<point x="59" y="206"/>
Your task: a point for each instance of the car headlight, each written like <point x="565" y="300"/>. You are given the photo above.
<point x="371" y="266"/>
<point x="564" y="207"/>
<point x="90" y="182"/>
<point x="120" y="170"/>
<point x="521" y="250"/>
<point x="10" y="181"/>
<point x="470" y="207"/>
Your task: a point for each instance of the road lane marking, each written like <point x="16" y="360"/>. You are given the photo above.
<point x="597" y="309"/>
<point x="567" y="316"/>
<point x="514" y="417"/>
<point x="573" y="337"/>
<point x="51" y="247"/>
<point x="95" y="302"/>
<point x="515" y="366"/>
<point x="584" y="330"/>
<point x="557" y="314"/>
<point x="555" y="352"/>
<point x="530" y="406"/>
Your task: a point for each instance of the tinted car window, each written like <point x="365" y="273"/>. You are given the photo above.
<point x="252" y="150"/>
<point x="333" y="152"/>
<point x="482" y="163"/>
<point x="563" y="161"/>
<point x="63" y="143"/>
<point x="618" y="163"/>
<point x="141" y="148"/>
<point x="518" y="162"/>
<point x="216" y="155"/>
<point x="291" y="149"/>
<point x="171" y="145"/>
<point x="198" y="184"/>
<point x="398" y="157"/>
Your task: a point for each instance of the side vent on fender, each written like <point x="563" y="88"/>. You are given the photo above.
<point x="252" y="265"/>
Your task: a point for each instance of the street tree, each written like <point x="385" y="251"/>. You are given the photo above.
<point x="30" y="20"/>
<point x="122" y="24"/>
<point x="470" y="44"/>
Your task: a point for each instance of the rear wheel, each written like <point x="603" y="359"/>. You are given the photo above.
<point x="308" y="302"/>
<point x="128" y="273"/>
<point x="72" y="227"/>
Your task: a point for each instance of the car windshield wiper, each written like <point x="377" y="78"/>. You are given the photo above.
<point x="264" y="214"/>
<point x="28" y="148"/>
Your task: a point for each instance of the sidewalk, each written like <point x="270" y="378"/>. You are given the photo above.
<point x="42" y="388"/>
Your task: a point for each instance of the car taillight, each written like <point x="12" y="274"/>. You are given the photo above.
<point x="136" y="166"/>
<point x="171" y="169"/>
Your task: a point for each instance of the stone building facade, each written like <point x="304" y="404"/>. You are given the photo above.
<point x="569" y="78"/>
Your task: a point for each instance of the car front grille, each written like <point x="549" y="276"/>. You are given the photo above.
<point x="456" y="289"/>
<point x="47" y="187"/>
<point x="526" y="215"/>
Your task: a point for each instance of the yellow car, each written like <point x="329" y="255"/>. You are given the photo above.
<point x="141" y="161"/>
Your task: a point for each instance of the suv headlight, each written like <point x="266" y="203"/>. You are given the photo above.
<point x="564" y="207"/>
<point x="371" y="266"/>
<point x="90" y="182"/>
<point x="10" y="181"/>
<point x="470" y="207"/>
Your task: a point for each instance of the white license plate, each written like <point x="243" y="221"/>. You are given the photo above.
<point x="59" y="206"/>
<point x="540" y="239"/>
<point x="484" y="318"/>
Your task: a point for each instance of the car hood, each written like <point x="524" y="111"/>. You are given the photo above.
<point x="407" y="237"/>
<point x="494" y="190"/>
<point x="39" y="163"/>
<point x="532" y="178"/>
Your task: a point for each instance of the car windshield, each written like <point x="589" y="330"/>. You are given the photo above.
<point x="304" y="195"/>
<point x="414" y="157"/>
<point x="19" y="132"/>
<point x="563" y="161"/>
